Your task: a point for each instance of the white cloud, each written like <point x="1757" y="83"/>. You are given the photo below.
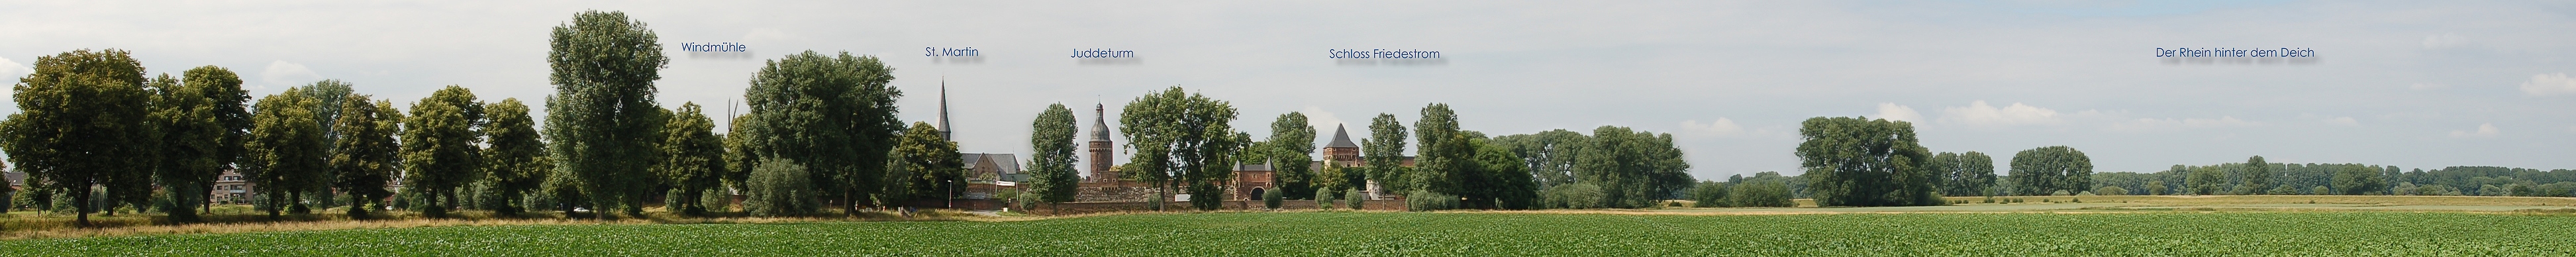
<point x="1978" y="113"/>
<point x="284" y="73"/>
<point x="1721" y="127"/>
<point x="10" y="71"/>
<point x="1323" y="122"/>
<point x="2484" y="130"/>
<point x="1891" y="111"/>
<point x="2154" y="124"/>
<point x="2445" y="41"/>
<point x="2346" y="121"/>
<point x="2549" y="84"/>
<point x="2427" y="86"/>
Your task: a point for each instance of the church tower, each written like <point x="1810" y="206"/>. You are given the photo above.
<point x="943" y="111"/>
<point x="1341" y="151"/>
<point x="1100" y="157"/>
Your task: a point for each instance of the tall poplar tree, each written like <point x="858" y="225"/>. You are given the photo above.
<point x="442" y="147"/>
<point x="367" y="153"/>
<point x="286" y="154"/>
<point x="82" y="123"/>
<point x="1384" y="153"/>
<point x="2258" y="173"/>
<point x="1292" y="143"/>
<point x="602" y="117"/>
<point x="1052" y="156"/>
<point x="516" y="162"/>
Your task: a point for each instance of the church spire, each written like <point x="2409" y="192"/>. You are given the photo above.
<point x="944" y="129"/>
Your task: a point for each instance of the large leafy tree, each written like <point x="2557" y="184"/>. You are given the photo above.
<point x="192" y="135"/>
<point x="1051" y="159"/>
<point x="1861" y="162"/>
<point x="367" y="153"/>
<point x="834" y="115"/>
<point x="602" y="117"/>
<point x="2044" y="170"/>
<point x="1447" y="163"/>
<point x="286" y="153"/>
<point x="1964" y="174"/>
<point x="932" y="163"/>
<point x="1505" y="179"/>
<point x="1182" y="140"/>
<point x="1383" y="152"/>
<point x="1633" y="168"/>
<point x="231" y="113"/>
<point x="694" y="157"/>
<point x="1550" y="155"/>
<point x="1292" y="146"/>
<point x="2258" y="174"/>
<point x="516" y="162"/>
<point x="2358" y="180"/>
<point x="442" y="146"/>
<point x="83" y="121"/>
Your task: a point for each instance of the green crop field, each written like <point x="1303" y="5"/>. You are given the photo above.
<point x="1446" y="234"/>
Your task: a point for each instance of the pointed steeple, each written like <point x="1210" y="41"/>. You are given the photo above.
<point x="1100" y="123"/>
<point x="944" y="129"/>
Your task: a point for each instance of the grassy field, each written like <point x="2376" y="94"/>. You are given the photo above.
<point x="1455" y="233"/>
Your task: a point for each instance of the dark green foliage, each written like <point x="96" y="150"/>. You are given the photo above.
<point x="1761" y="193"/>
<point x="1355" y="199"/>
<point x="1862" y="162"/>
<point x="1573" y="196"/>
<point x="1292" y="144"/>
<point x="1550" y="155"/>
<point x="2204" y="180"/>
<point x="834" y="114"/>
<point x="2358" y="180"/>
<point x="1182" y="140"/>
<point x="1709" y="194"/>
<point x="1271" y="199"/>
<point x="367" y="154"/>
<point x="82" y="122"/>
<point x="2047" y="169"/>
<point x="1383" y="152"/>
<point x="1051" y="160"/>
<point x="930" y="163"/>
<point x="286" y="152"/>
<point x="1634" y="169"/>
<point x="602" y="119"/>
<point x="1964" y="174"/>
<point x="693" y="158"/>
<point x="780" y="188"/>
<point x="442" y="147"/>
<point x="1324" y="199"/>
<point x="191" y="135"/>
<point x="1426" y="200"/>
<point x="516" y="162"/>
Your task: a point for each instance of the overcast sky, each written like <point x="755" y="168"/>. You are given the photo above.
<point x="2418" y="84"/>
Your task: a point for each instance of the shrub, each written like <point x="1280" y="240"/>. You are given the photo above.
<point x="1324" y="199"/>
<point x="1270" y="199"/>
<point x="1356" y="199"/>
<point x="1769" y="193"/>
<point x="780" y="188"/>
<point x="2110" y="190"/>
<point x="2321" y="190"/>
<point x="1708" y="194"/>
<point x="2282" y="190"/>
<point x="1573" y="196"/>
<point x="1424" y="200"/>
<point x="715" y="200"/>
<point x="2085" y="193"/>
<point x="2060" y="192"/>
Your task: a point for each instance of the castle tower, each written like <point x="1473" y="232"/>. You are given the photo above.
<point x="1100" y="156"/>
<point x="1341" y="151"/>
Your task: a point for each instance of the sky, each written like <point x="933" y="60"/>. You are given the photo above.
<point x="2416" y="84"/>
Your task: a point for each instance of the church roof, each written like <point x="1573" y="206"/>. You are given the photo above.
<point x="1341" y="138"/>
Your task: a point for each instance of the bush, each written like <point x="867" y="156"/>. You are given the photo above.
<point x="1270" y="199"/>
<point x="1324" y="199"/>
<point x="2282" y="190"/>
<point x="1355" y="198"/>
<point x="1423" y="200"/>
<point x="2085" y="193"/>
<point x="1573" y="196"/>
<point x="1768" y="193"/>
<point x="2060" y="192"/>
<point x="1708" y="194"/>
<point x="780" y="188"/>
<point x="715" y="200"/>
<point x="2111" y="190"/>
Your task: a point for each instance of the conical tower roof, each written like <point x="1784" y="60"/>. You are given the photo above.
<point x="1341" y="138"/>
